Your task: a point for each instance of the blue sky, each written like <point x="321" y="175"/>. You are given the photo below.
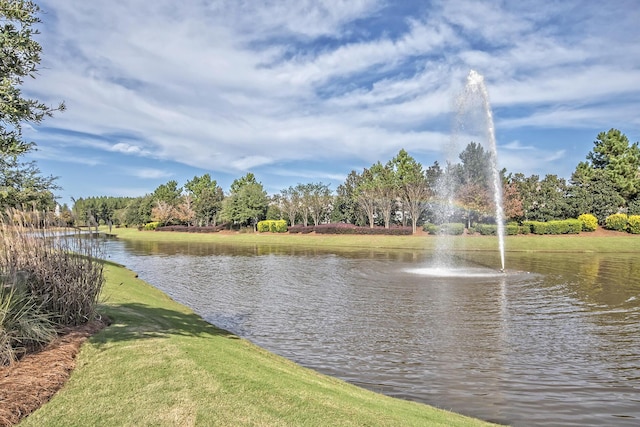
<point x="299" y="91"/>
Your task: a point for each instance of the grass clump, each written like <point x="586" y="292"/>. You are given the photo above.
<point x="24" y="326"/>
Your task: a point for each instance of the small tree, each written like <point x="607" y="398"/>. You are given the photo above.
<point x="247" y="203"/>
<point x="163" y="212"/>
<point x="413" y="187"/>
<point x="290" y="203"/>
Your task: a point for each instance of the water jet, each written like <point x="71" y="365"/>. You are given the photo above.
<point x="473" y="99"/>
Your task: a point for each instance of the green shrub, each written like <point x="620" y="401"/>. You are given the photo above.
<point x="512" y="229"/>
<point x="617" y="222"/>
<point x="278" y="226"/>
<point x="589" y="222"/>
<point x="151" y="226"/>
<point x="539" y="227"/>
<point x="452" y="228"/>
<point x="565" y="226"/>
<point x="431" y="228"/>
<point x="487" y="229"/>
<point x="634" y="224"/>
<point x="574" y="226"/>
<point x="557" y="227"/>
<point x="272" y="226"/>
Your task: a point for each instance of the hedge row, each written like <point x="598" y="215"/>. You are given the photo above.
<point x="623" y="222"/>
<point x="449" y="229"/>
<point x="341" y="228"/>
<point x="272" y="226"/>
<point x="191" y="229"/>
<point x="509" y="229"/>
<point x="565" y="226"/>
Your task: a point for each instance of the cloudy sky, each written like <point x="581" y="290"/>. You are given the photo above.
<point x="299" y="91"/>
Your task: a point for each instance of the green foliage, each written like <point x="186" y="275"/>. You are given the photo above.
<point x="633" y="207"/>
<point x="487" y="229"/>
<point x="342" y="228"/>
<point x="247" y="204"/>
<point x="620" y="161"/>
<point x="20" y="183"/>
<point x="634" y="224"/>
<point x="151" y="226"/>
<point x="102" y="210"/>
<point x="595" y="194"/>
<point x="475" y="165"/>
<point x="617" y="222"/>
<point x="512" y="229"/>
<point x="573" y="226"/>
<point x="168" y="193"/>
<point x="492" y="229"/>
<point x="430" y="228"/>
<point x="272" y="226"/>
<point x="207" y="199"/>
<point x="24" y="326"/>
<point x="567" y="226"/>
<point x="589" y="222"/>
<point x="312" y="201"/>
<point x="346" y="207"/>
<point x="412" y="185"/>
<point x="451" y="228"/>
<point x="541" y="200"/>
<point x="138" y="211"/>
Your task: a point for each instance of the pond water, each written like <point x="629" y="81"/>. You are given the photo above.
<point x="555" y="341"/>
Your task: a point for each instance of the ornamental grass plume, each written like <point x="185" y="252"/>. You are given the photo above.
<point x="61" y="270"/>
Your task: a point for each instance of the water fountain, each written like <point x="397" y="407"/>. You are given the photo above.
<point x="475" y="85"/>
<point x="473" y="101"/>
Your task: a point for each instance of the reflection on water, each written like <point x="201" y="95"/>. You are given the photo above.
<point x="555" y="341"/>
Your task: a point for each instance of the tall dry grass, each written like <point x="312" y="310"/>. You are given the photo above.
<point x="61" y="269"/>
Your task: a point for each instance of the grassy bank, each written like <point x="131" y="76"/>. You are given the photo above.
<point x="584" y="242"/>
<point x="160" y="364"/>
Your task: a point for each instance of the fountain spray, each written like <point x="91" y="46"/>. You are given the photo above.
<point x="475" y="85"/>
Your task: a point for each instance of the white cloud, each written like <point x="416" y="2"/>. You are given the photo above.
<point x="50" y="153"/>
<point x="149" y="173"/>
<point x="125" y="148"/>
<point x="235" y="85"/>
<point x="516" y="145"/>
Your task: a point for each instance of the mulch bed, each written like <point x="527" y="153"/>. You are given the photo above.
<point x="33" y="380"/>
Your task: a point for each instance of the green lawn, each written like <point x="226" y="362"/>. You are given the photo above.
<point x="159" y="364"/>
<point x="584" y="242"/>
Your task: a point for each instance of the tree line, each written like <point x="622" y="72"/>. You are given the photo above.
<point x="400" y="192"/>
